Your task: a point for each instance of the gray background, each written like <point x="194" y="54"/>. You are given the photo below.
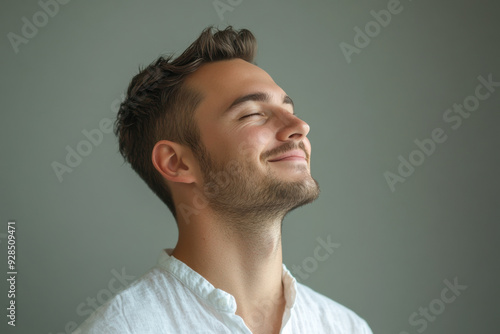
<point x="397" y="248"/>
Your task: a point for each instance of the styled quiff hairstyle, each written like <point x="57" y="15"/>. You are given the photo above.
<point x="158" y="106"/>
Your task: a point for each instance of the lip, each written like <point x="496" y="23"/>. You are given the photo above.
<point x="290" y="155"/>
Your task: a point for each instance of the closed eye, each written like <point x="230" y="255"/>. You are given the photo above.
<point x="249" y="115"/>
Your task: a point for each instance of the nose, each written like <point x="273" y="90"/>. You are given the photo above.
<point x="291" y="127"/>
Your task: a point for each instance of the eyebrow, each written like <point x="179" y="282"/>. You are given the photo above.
<point x="258" y="97"/>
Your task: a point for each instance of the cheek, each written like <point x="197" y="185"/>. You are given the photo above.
<point x="216" y="140"/>
<point x="262" y="137"/>
<point x="250" y="144"/>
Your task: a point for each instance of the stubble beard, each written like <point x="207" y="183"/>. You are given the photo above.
<point x="237" y="192"/>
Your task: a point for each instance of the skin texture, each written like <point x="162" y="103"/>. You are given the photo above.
<point x="233" y="194"/>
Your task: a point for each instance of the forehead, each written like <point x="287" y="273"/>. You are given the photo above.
<point x="221" y="82"/>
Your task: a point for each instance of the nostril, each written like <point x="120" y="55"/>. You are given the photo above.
<point x="295" y="135"/>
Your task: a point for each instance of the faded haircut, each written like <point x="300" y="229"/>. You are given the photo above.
<point x="158" y="106"/>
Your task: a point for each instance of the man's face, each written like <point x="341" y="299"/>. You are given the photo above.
<point x="255" y="153"/>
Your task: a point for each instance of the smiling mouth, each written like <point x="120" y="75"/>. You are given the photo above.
<point x="292" y="158"/>
<point x="295" y="155"/>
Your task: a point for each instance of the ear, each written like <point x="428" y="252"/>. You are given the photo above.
<point x="173" y="161"/>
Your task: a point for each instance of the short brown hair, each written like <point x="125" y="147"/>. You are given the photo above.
<point x="158" y="106"/>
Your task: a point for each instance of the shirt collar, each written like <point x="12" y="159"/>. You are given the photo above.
<point x="218" y="298"/>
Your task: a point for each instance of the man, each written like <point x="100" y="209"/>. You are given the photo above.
<point x="217" y="140"/>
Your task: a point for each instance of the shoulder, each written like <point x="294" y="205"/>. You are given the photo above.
<point x="107" y="318"/>
<point x="327" y="312"/>
<point x="140" y="303"/>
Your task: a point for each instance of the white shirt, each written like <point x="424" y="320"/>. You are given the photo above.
<point x="173" y="298"/>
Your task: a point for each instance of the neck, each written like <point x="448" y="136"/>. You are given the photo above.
<point x="243" y="258"/>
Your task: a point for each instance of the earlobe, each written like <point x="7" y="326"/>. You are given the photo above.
<point x="170" y="161"/>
